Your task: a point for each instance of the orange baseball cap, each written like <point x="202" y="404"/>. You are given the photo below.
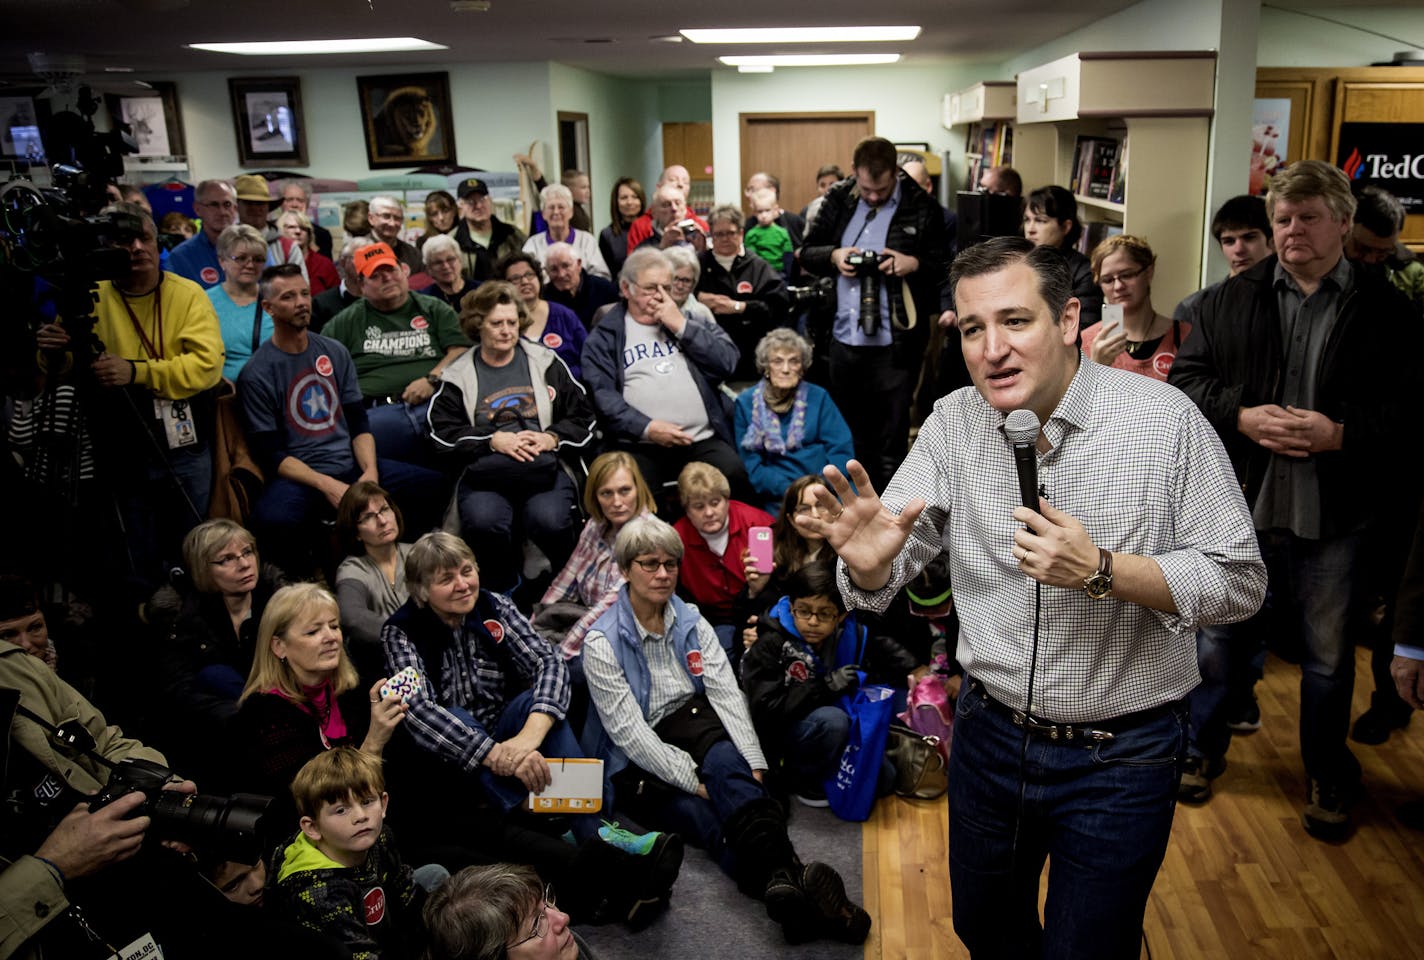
<point x="367" y="259"/>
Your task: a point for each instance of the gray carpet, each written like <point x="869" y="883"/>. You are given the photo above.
<point x="708" y="918"/>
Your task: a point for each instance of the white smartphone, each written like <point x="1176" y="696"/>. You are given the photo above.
<point x="1112" y="318"/>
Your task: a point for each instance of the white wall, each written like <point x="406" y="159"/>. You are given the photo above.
<point x="1290" y="39"/>
<point x="1150" y="25"/>
<point x="906" y="99"/>
<point x="498" y="109"/>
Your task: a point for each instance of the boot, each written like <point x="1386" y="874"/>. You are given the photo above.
<point x="768" y="869"/>
<point x="840" y="917"/>
<point x="618" y="886"/>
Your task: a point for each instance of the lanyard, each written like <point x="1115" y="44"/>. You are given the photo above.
<point x="154" y="353"/>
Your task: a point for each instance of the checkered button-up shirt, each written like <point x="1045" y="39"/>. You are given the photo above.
<point x="1136" y="463"/>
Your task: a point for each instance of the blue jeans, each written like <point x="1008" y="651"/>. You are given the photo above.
<point x="1102" y="811"/>
<point x="730" y="786"/>
<point x="1228" y="657"/>
<point x="490" y="520"/>
<point x="560" y="741"/>
<point x="1312" y="582"/>
<point x="812" y="748"/>
<point x="402" y="432"/>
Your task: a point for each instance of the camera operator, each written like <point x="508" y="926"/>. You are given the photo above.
<point x="876" y="355"/>
<point x="152" y="419"/>
<point x="55" y="853"/>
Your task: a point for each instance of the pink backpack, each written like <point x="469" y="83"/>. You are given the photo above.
<point x="930" y="712"/>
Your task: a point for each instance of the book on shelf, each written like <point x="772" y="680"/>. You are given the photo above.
<point x="1094" y="233"/>
<point x="1117" y="192"/>
<point x="1094" y="164"/>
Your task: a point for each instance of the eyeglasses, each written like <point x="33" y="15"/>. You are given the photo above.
<point x="541" y="923"/>
<point x="788" y="362"/>
<point x="725" y="234"/>
<point x="648" y="289"/>
<point x="370" y="515"/>
<point x="651" y="566"/>
<point x="233" y="559"/>
<point x="511" y="278"/>
<point x="251" y="260"/>
<point x="220" y="204"/>
<point x="1126" y="276"/>
<point x="814" y="614"/>
<point x="682" y="281"/>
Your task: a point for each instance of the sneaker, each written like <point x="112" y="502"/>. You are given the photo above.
<point x="1197" y="775"/>
<point x="1375" y="725"/>
<point x="1246" y="718"/>
<point x="841" y="919"/>
<point x="1327" y="810"/>
<point x="811" y="800"/>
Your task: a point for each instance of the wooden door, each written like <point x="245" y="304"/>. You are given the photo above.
<point x="1392" y="102"/>
<point x="791" y="146"/>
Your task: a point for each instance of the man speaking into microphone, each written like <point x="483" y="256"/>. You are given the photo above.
<point x="1077" y="620"/>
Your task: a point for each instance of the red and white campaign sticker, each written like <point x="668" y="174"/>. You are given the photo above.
<point x="1162" y="363"/>
<point x="419" y="323"/>
<point x="375" y="902"/>
<point x="323" y="365"/>
<point x="209" y="274"/>
<point x="553" y="341"/>
<point x="797" y="671"/>
<point x="694" y="662"/>
<point x="496" y="630"/>
<point x="744" y="287"/>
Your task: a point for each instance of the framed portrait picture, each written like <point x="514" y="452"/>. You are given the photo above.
<point x="267" y="116"/>
<point x="20" y="129"/>
<point x="153" y="117"/>
<point x="407" y="119"/>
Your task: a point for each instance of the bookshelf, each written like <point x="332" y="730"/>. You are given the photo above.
<point x="987" y="112"/>
<point x="1158" y="106"/>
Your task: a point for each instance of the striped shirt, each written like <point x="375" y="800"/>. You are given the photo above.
<point x="670" y="688"/>
<point x="1139" y="466"/>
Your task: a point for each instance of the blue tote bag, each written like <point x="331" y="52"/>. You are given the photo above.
<point x="851" y="791"/>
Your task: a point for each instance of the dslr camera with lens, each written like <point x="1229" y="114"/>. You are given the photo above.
<point x="867" y="271"/>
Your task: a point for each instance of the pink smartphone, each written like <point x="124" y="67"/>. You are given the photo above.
<point x="759" y="546"/>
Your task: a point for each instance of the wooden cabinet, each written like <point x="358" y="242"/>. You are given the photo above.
<point x="991" y="100"/>
<point x="690" y="144"/>
<point x="1160" y="107"/>
<point x="1323" y="98"/>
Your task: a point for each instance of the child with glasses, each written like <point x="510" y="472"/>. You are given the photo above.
<point x="341" y="875"/>
<point x="810" y="652"/>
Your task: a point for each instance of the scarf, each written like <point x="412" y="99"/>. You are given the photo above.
<point x="764" y="432"/>
<point x="321" y="704"/>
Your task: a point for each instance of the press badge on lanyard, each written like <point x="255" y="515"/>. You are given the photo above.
<point x="175" y="415"/>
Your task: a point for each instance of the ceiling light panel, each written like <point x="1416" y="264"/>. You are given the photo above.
<point x="803" y="35"/>
<point x="812" y="60"/>
<point x="279" y="48"/>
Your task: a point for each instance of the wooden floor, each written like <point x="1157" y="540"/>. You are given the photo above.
<point x="1241" y="878"/>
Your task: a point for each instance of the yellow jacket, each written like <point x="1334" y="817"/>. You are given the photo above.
<point x="192" y="345"/>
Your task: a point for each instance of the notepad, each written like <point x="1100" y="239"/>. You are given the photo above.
<point x="577" y="787"/>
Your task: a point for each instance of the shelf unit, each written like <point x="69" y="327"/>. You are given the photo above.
<point x="1161" y="104"/>
<point x="985" y="105"/>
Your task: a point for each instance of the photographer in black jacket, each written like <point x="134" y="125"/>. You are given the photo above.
<point x="876" y="355"/>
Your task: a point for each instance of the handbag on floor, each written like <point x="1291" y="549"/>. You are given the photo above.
<point x="851" y="791"/>
<point x="920" y="768"/>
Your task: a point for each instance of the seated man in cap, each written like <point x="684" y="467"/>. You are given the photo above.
<point x="254" y="202"/>
<point x="572" y="286"/>
<point x="483" y="237"/>
<point x="400" y="341"/>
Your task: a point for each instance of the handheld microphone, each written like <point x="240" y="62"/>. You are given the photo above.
<point x="1022" y="428"/>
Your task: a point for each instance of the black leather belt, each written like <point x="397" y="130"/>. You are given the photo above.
<point x="1098" y="730"/>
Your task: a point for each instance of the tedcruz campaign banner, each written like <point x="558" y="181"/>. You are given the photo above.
<point x="1389" y="155"/>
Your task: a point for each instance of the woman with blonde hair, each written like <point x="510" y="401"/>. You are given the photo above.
<point x="321" y="272"/>
<point x="303" y="694"/>
<point x="1146" y="341"/>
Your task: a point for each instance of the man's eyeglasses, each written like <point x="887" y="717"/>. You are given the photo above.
<point x="220" y="204"/>
<point x="682" y="281"/>
<point x="651" y="288"/>
<point x="541" y="923"/>
<point x="814" y="614"/>
<point x="725" y="234"/>
<point x="1126" y="276"/>
<point x="651" y="566"/>
<point x="371" y="515"/>
<point x="232" y="559"/>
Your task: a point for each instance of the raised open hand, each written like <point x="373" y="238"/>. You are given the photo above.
<point x="857" y="525"/>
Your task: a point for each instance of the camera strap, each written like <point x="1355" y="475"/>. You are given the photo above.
<point x="70" y="736"/>
<point x="153" y="346"/>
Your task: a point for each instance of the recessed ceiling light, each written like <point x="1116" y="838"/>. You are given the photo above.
<point x="277" y="48"/>
<point x="668" y="38"/>
<point x="812" y="60"/>
<point x="802" y="34"/>
<point x="766" y="68"/>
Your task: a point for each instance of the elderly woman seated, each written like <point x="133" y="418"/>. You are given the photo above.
<point x="747" y="297"/>
<point x="786" y="427"/>
<point x="441" y="255"/>
<point x="673" y="728"/>
<point x="552" y="324"/>
<point x="508" y="411"/>
<point x="558" y="208"/>
<point x="588" y="584"/>
<point x="716" y="567"/>
<point x="686" y="271"/>
<point x="370" y="583"/>
<point x="245" y="326"/>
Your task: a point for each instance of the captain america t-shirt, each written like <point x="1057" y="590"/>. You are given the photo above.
<point x="300" y="395"/>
